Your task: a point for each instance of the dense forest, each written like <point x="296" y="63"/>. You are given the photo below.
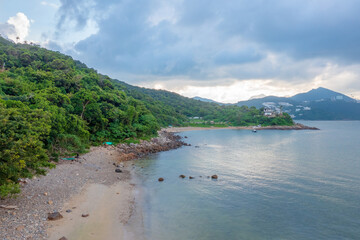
<point x="173" y="109"/>
<point x="52" y="105"/>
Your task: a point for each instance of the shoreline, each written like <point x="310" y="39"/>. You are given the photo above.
<point x="87" y="185"/>
<point x="297" y="126"/>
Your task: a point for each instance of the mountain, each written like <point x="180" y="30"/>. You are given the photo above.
<point x="316" y="104"/>
<point x="257" y="96"/>
<point x="321" y="94"/>
<point x="208" y="100"/>
<point x="204" y="99"/>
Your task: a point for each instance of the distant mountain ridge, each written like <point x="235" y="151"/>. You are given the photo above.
<point x="320" y="94"/>
<point x="316" y="104"/>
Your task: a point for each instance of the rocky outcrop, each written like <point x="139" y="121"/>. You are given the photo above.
<point x="165" y="141"/>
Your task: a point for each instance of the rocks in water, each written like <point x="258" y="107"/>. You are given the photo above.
<point x="85" y="215"/>
<point x="118" y="170"/>
<point x="54" y="216"/>
<point x="161" y="179"/>
<point x="214" y="177"/>
<point x="190" y="177"/>
<point x="182" y="176"/>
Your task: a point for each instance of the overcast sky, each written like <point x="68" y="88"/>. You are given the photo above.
<point x="224" y="50"/>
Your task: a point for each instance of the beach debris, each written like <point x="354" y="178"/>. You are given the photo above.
<point x="85" y="215"/>
<point x="63" y="238"/>
<point x="182" y="176"/>
<point x="118" y="170"/>
<point x="68" y="211"/>
<point x="54" y="216"/>
<point x="161" y="179"/>
<point x="214" y="177"/>
<point x="191" y="177"/>
<point x="10" y="207"/>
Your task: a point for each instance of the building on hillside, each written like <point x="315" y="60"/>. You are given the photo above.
<point x="268" y="112"/>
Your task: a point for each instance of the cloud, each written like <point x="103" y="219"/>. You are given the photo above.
<point x="207" y="42"/>
<point x="16" y="27"/>
<point x="50" y="4"/>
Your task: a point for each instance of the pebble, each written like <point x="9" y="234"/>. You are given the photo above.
<point x="85" y="215"/>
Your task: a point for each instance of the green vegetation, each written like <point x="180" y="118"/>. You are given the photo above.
<point x="173" y="109"/>
<point x="52" y="106"/>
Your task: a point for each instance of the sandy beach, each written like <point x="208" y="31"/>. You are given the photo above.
<point x="95" y="194"/>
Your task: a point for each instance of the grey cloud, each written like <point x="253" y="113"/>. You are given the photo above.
<point x="210" y="38"/>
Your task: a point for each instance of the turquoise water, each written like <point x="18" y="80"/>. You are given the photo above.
<point x="272" y="185"/>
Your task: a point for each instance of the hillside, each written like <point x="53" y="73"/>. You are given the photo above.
<point x="317" y="104"/>
<point x="179" y="109"/>
<point x="52" y="106"/>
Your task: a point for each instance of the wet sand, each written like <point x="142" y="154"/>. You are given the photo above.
<point x="109" y="209"/>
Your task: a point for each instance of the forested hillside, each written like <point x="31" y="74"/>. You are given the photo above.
<point x="52" y="105"/>
<point x="179" y="109"/>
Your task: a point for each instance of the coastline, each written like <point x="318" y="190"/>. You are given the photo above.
<point x="88" y="185"/>
<point x="297" y="126"/>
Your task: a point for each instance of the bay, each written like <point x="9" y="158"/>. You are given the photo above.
<point x="271" y="185"/>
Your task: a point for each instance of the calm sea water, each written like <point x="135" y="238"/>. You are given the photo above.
<point x="272" y="185"/>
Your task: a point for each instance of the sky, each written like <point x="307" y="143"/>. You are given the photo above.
<point x="223" y="50"/>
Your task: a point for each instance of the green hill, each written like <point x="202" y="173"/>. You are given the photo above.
<point x="52" y="105"/>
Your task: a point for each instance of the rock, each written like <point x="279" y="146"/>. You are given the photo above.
<point x="182" y="176"/>
<point x="161" y="179"/>
<point x="50" y="202"/>
<point x="214" y="177"/>
<point x="9" y="206"/>
<point x="118" y="170"/>
<point x="54" y="216"/>
<point x="85" y="215"/>
<point x="68" y="211"/>
<point x="191" y="177"/>
<point x="45" y="193"/>
<point x="20" y="228"/>
<point x="63" y="238"/>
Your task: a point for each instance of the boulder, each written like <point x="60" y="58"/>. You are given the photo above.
<point x="54" y="216"/>
<point x="118" y="170"/>
<point x="161" y="179"/>
<point x="214" y="177"/>
<point x="191" y="177"/>
<point x="182" y="176"/>
<point x="63" y="238"/>
<point x="85" y="215"/>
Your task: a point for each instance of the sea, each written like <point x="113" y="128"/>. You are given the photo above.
<point x="272" y="184"/>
